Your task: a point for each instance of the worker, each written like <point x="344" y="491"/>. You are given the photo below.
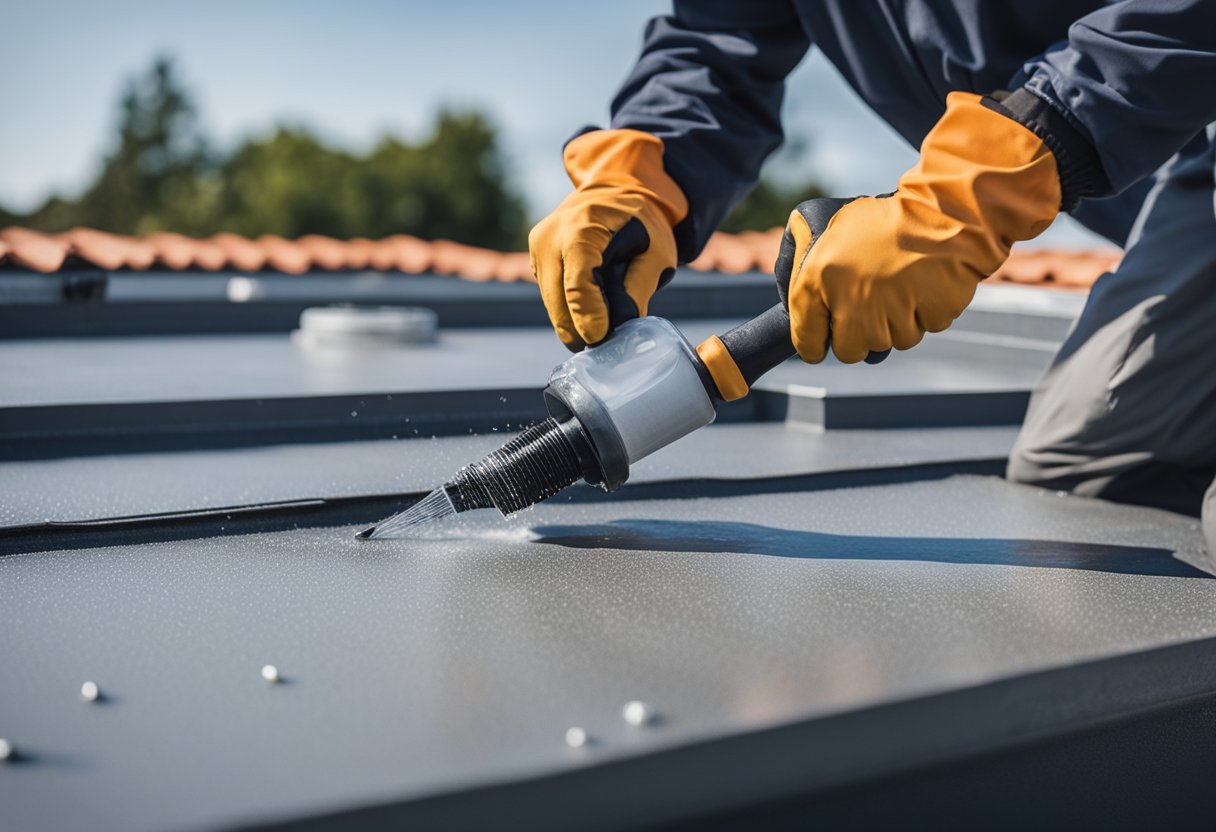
<point x="1021" y="111"/>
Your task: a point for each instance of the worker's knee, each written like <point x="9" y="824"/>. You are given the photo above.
<point x="1020" y="469"/>
<point x="1038" y="460"/>
<point x="1124" y="477"/>
<point x="1029" y="464"/>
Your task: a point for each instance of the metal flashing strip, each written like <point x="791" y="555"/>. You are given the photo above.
<point x="60" y="431"/>
<point x="135" y="394"/>
<point x="26" y="288"/>
<point x="189" y="303"/>
<point x="817" y="407"/>
<point x="70" y="430"/>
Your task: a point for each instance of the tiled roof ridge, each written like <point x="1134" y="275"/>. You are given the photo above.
<point x="727" y="253"/>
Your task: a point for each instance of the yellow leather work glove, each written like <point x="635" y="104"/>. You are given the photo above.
<point x="886" y="270"/>
<point x="609" y="246"/>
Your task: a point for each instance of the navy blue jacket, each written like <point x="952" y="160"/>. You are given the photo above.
<point x="1136" y="80"/>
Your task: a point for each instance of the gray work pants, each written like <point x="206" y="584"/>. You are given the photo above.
<point x="1127" y="410"/>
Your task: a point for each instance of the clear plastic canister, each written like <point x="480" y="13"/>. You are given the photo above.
<point x="645" y="379"/>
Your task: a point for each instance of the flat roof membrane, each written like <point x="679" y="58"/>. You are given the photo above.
<point x="826" y="590"/>
<point x="460" y="658"/>
<point x="193" y="368"/>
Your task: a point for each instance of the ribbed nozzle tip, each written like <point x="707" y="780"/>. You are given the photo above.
<point x="434" y="506"/>
<point x="530" y="468"/>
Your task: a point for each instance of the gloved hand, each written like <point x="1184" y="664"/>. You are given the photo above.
<point x="888" y="269"/>
<point x="606" y="249"/>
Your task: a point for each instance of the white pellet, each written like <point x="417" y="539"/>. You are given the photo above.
<point x="89" y="692"/>
<point x="6" y="750"/>
<point x="576" y="737"/>
<point x="270" y="673"/>
<point x="637" y="713"/>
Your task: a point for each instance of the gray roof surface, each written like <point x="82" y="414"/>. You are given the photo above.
<point x="196" y="392"/>
<point x="425" y="665"/>
<point x="849" y="599"/>
<point x="190" y="368"/>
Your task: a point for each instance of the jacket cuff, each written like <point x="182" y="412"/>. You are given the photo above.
<point x="1080" y="169"/>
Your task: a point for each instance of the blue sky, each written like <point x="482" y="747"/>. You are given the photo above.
<point x="356" y="70"/>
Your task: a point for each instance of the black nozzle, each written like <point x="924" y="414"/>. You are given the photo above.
<point x="532" y="467"/>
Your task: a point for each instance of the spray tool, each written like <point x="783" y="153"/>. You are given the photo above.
<point x="612" y="405"/>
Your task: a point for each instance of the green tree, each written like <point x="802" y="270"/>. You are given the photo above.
<point x="159" y="176"/>
<point x="158" y="156"/>
<point x="289" y="184"/>
<point x="451" y="185"/>
<point x="156" y="160"/>
<point x="768" y="206"/>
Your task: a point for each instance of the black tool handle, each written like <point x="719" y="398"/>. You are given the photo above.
<point x="762" y="343"/>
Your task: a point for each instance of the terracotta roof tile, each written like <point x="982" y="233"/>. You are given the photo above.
<point x="359" y="253"/>
<point x="516" y="265"/>
<point x="284" y="255"/>
<point x="731" y="254"/>
<point x="177" y="252"/>
<point x="173" y="251"/>
<point x="764" y="246"/>
<point x="325" y="252"/>
<point x="243" y="254"/>
<point x="751" y="251"/>
<point x="469" y="262"/>
<point x="737" y="253"/>
<point x="108" y="251"/>
<point x="1071" y="269"/>
<point x="403" y="253"/>
<point x="1076" y="269"/>
<point x="34" y="250"/>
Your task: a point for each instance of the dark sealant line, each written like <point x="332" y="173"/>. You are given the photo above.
<point x="341" y="511"/>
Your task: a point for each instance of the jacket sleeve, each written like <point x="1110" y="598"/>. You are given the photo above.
<point x="1134" y="81"/>
<point x="709" y="83"/>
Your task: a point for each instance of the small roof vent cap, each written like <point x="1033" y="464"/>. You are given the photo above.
<point x="366" y="326"/>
